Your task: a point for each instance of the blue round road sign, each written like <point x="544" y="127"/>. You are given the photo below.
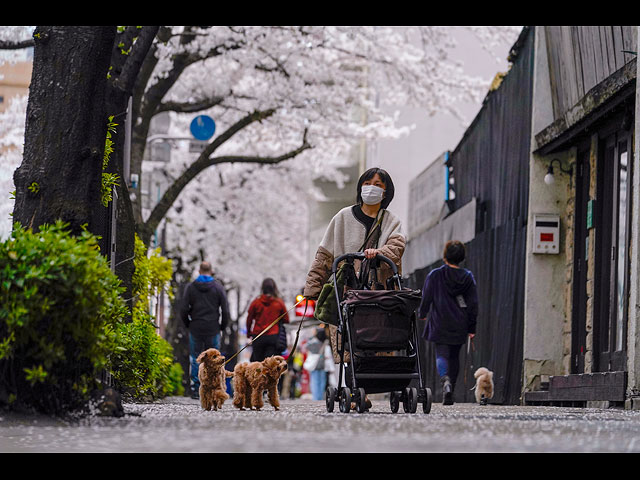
<point x="203" y="127"/>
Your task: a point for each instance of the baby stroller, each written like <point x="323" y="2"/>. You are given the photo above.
<point x="378" y="329"/>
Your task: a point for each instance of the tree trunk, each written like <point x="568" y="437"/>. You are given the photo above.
<point x="61" y="172"/>
<point x="123" y="74"/>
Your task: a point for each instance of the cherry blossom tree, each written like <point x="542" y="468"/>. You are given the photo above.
<point x="317" y="93"/>
<point x="82" y="77"/>
<point x="290" y="104"/>
<point x="280" y="93"/>
<point x="11" y="142"/>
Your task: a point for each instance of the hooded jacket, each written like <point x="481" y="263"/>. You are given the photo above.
<point x="450" y="304"/>
<point x="204" y="309"/>
<point x="262" y="312"/>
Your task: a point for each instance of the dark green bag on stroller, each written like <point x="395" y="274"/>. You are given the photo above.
<point x="326" y="306"/>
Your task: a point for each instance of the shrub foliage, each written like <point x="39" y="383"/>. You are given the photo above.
<point x="62" y="323"/>
<point x="142" y="364"/>
<point x="59" y="306"/>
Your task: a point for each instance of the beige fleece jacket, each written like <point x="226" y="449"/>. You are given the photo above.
<point x="345" y="234"/>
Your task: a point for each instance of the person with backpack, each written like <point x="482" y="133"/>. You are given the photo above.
<point x="450" y="306"/>
<point x="263" y="311"/>
<point x="205" y="314"/>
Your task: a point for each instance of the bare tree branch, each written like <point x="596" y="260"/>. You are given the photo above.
<point x="148" y="101"/>
<point x="127" y="78"/>
<point x="256" y="116"/>
<point x="262" y="160"/>
<point x="205" y="160"/>
<point x="190" y="107"/>
<point x="181" y="61"/>
<point x="11" y="45"/>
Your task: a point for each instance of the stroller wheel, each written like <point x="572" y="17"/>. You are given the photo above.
<point x="410" y="401"/>
<point x="330" y="398"/>
<point x="426" y="404"/>
<point x="345" y="400"/>
<point x="361" y="406"/>
<point x="394" y="402"/>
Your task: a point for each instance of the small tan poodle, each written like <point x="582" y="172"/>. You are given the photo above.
<point x="212" y="375"/>
<point x="250" y="380"/>
<point x="484" y="385"/>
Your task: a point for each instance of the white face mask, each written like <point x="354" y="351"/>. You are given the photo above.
<point x="372" y="195"/>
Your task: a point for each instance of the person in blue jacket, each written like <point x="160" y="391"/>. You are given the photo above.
<point x="205" y="313"/>
<point x="450" y="306"/>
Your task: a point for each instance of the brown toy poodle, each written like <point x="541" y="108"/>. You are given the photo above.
<point x="250" y="380"/>
<point x="212" y="375"/>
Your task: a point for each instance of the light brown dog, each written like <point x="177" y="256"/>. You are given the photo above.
<point x="212" y="375"/>
<point x="484" y="385"/>
<point x="250" y="380"/>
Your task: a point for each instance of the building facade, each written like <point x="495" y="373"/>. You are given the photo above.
<point x="580" y="315"/>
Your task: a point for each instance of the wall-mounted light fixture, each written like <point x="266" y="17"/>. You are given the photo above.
<point x="549" y="178"/>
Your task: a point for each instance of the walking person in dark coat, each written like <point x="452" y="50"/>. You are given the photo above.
<point x="205" y="313"/>
<point x="450" y="305"/>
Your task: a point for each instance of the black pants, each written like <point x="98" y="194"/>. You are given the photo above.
<point x="264" y="347"/>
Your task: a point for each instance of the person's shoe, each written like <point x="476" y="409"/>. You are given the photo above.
<point x="483" y="400"/>
<point x="447" y="391"/>
<point x="195" y="394"/>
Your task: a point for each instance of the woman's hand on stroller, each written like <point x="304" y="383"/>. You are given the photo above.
<point x="371" y="252"/>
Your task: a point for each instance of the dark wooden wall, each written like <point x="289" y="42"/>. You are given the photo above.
<point x="580" y="57"/>
<point x="491" y="164"/>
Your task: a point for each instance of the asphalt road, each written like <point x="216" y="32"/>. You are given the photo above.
<point x="178" y="424"/>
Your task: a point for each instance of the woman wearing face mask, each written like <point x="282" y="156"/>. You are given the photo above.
<point x="365" y="227"/>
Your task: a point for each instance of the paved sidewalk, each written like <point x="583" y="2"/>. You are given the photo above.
<point x="178" y="424"/>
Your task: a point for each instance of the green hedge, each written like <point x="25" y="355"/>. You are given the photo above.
<point x="142" y="364"/>
<point x="62" y="323"/>
<point x="59" y="308"/>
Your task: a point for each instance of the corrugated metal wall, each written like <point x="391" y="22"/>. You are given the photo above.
<point x="491" y="163"/>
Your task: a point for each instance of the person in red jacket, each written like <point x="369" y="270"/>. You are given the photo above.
<point x="262" y="312"/>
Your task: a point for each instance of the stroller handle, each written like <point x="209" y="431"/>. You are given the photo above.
<point x="360" y="256"/>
